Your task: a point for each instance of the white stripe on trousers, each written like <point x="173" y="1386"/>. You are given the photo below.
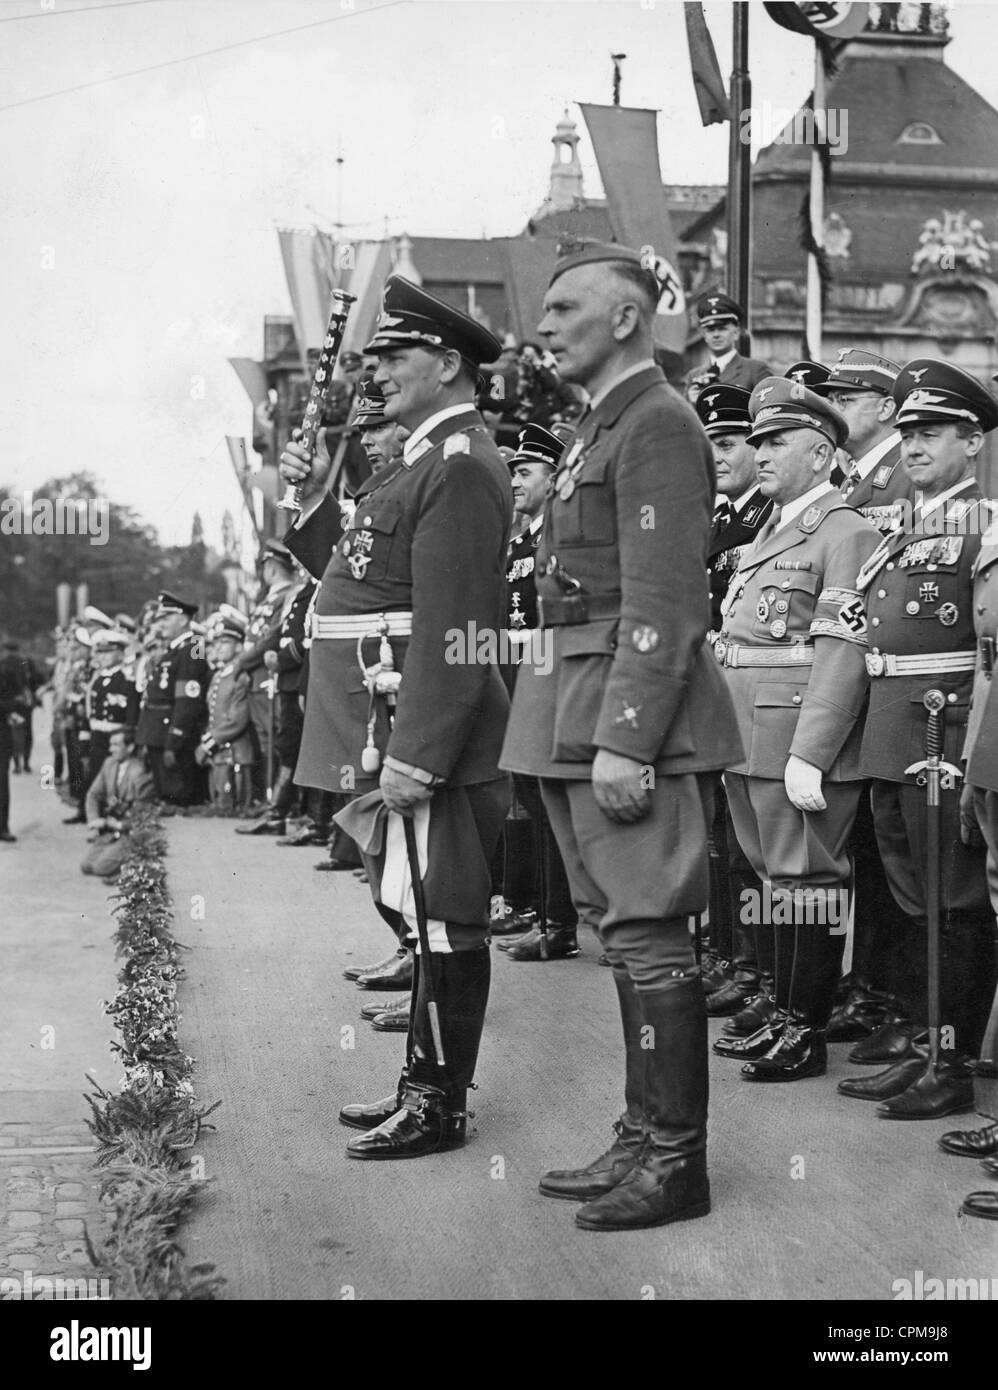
<point x="396" y="881"/>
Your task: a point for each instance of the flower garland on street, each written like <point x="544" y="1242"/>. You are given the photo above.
<point x="145" y="1133"/>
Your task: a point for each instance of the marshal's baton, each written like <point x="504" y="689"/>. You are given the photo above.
<point x="412" y="854"/>
<point x="929" y="775"/>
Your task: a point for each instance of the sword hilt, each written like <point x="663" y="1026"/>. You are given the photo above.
<point x="935" y="702"/>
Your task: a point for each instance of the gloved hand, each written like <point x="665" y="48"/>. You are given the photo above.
<point x="803" y="784"/>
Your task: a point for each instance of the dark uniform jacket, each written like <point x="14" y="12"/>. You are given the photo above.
<point x="796" y="590"/>
<point x="626" y="533"/>
<point x="521" y="580"/>
<point x="290" y="641"/>
<point x="744" y="371"/>
<point x="229" y="716"/>
<point x="919" y="601"/>
<point x="879" y="494"/>
<point x="261" y="633"/>
<point x="430" y="538"/>
<point x="174" y="702"/>
<point x="731" y="533"/>
<point x="981" y="748"/>
<point x="111" y="701"/>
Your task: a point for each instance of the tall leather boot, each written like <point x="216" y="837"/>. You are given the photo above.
<point x="966" y="965"/>
<point x="273" y="820"/>
<point x="669" y="1183"/>
<point x="360" y="1116"/>
<point x="433" y="1116"/>
<point x="769" y="1030"/>
<point x="744" y="984"/>
<point x="582" y="1184"/>
<point x="715" y="967"/>
<point x="802" y="1051"/>
<point x="762" y="1007"/>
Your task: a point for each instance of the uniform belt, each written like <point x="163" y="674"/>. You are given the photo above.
<point x="733" y="654"/>
<point x="576" y="608"/>
<point x="361" y="625"/>
<point x="105" y="726"/>
<point x="928" y="664"/>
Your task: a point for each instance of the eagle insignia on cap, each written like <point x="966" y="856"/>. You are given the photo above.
<point x="917" y="375"/>
<point x="711" y="398"/>
<point x="764" y="392"/>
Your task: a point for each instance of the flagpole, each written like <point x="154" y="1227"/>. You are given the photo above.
<point x="740" y="172"/>
<point x="817" y="214"/>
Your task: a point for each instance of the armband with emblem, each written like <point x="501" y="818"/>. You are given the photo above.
<point x="840" y="613"/>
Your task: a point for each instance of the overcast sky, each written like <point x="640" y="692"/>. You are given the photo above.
<point x="142" y="185"/>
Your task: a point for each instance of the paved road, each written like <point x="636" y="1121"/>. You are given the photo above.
<point x="57" y="967"/>
<point x="813" y="1196"/>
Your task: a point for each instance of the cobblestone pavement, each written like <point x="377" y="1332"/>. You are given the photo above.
<point x="48" y="1201"/>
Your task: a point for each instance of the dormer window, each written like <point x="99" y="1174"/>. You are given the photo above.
<point x="919" y="133"/>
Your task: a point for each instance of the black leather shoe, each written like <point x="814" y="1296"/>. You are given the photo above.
<point x="758" y="1011"/>
<point x="370" y="1116"/>
<point x="333" y="866"/>
<point x="800" y="1053"/>
<point x="513" y="923"/>
<point x="392" y="1021"/>
<point x="354" y="972"/>
<point x="75" y="820"/>
<point x="397" y="975"/>
<point x="662" y="1188"/>
<point x="757" y="1044"/>
<point x="716" y="976"/>
<point x="266" y="826"/>
<point x="892" y="1042"/>
<point x="383" y="1006"/>
<point x="983" y="1204"/>
<point x="892" y="1082"/>
<point x="971" y="1143"/>
<point x="931" y="1096"/>
<point x="8" y="838"/>
<point x="428" y="1122"/>
<point x="562" y="944"/>
<point x="582" y="1184"/>
<point x="857" y="1018"/>
<point x="731" y="998"/>
<point x="990" y="1166"/>
<point x="307" y="837"/>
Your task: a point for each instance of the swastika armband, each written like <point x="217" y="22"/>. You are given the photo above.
<point x="840" y="613"/>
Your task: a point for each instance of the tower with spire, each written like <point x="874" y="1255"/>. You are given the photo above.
<point x="565" y="190"/>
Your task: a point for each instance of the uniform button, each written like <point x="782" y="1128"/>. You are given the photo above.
<point x="367" y="521"/>
<point x="875" y="622"/>
<point x="980" y="608"/>
<point x="890" y="564"/>
<point x="797" y="699"/>
<point x="951" y="698"/>
<point x="881" y="593"/>
<point x="785" y="584"/>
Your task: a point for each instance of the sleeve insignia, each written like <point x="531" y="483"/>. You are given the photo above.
<point x="852" y="616"/>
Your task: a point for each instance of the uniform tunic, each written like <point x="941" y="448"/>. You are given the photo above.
<point x="624" y="603"/>
<point x="173" y="715"/>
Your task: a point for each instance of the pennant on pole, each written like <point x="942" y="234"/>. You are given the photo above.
<point x="625" y="140"/>
<point x="707" y="80"/>
<point x="308" y="260"/>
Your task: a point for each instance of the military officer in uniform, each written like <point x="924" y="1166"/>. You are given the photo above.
<point x="979" y="816"/>
<point x="630" y="726"/>
<point x="532" y="466"/>
<point x="739" y="960"/>
<point x="792" y="649"/>
<point x="876" y="484"/>
<point x="111" y="699"/>
<point x="277" y="573"/>
<point x="173" y="708"/>
<point x="398" y="703"/>
<point x="721" y="318"/>
<point x="226" y="745"/>
<point x="918" y="591"/>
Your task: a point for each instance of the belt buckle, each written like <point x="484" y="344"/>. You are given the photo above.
<point x="875" y="663"/>
<point x="720" y="648"/>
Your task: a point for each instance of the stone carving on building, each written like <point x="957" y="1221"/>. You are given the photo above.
<point x="956" y="243"/>
<point x="837" y="237"/>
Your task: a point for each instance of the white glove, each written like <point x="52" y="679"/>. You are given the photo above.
<point x="803" y="784"/>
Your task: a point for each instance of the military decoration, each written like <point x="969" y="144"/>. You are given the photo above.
<point x="779" y="628"/>
<point x="948" y="614"/>
<point x="928" y="592"/>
